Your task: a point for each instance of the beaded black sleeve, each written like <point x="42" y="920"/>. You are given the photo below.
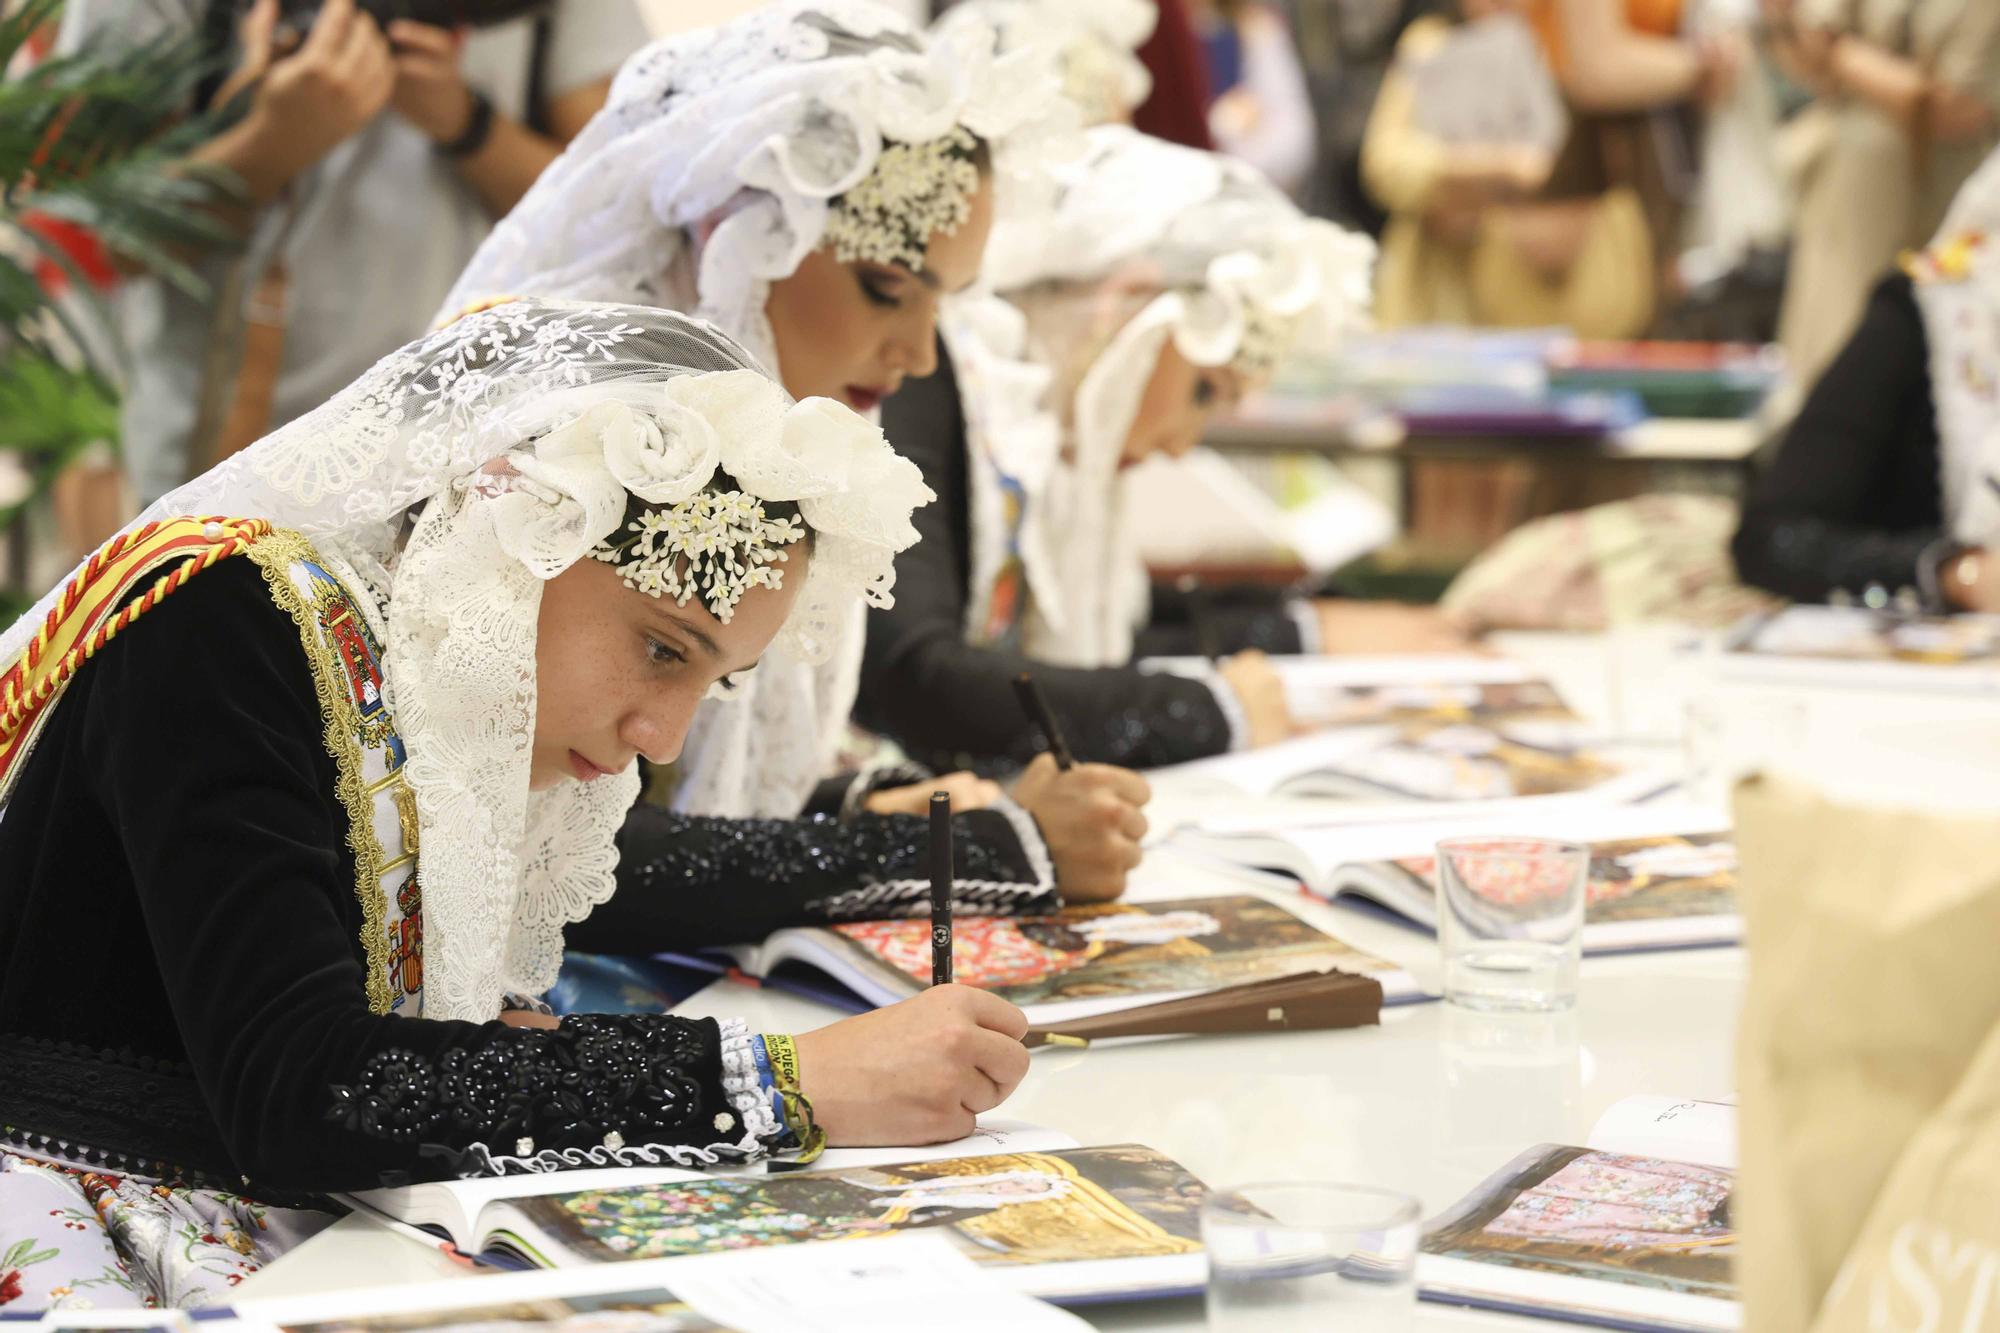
<point x="882" y="857"/>
<point x="599" y="1090"/>
<point x="691" y="881"/>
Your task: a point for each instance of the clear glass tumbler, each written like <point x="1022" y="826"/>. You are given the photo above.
<point x="1510" y="921"/>
<point x="1302" y="1255"/>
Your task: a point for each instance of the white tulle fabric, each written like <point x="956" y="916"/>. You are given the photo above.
<point x="450" y="481"/>
<point x="1962" y="325"/>
<point x="1139" y="242"/>
<point x="749" y="131"/>
<point x="1092" y="44"/>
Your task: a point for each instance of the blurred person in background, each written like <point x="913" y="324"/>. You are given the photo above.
<point x="1347" y="47"/>
<point x="1905" y="95"/>
<point x="1506" y="234"/>
<point x="1889" y="477"/>
<point x="373" y="161"/>
<point x="1177" y="108"/>
<point x="1158" y="285"/>
<point x="1261" y="110"/>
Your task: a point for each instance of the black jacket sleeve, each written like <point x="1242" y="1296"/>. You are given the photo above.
<point x="1219" y="622"/>
<point x="1852" y="498"/>
<point x="206" y="737"/>
<point x="689" y="882"/>
<point x="951" y="705"/>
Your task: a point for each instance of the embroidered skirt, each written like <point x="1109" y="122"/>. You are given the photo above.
<point x="75" y="1239"/>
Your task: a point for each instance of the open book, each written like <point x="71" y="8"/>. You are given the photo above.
<point x="1836" y="646"/>
<point x="1631" y="1231"/>
<point x="1401" y="733"/>
<point x="1661" y="876"/>
<point x="1407" y="771"/>
<point x="895" y="1284"/>
<point x="1048" y="1218"/>
<point x="1085" y="960"/>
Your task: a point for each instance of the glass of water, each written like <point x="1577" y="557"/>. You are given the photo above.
<point x="1510" y="921"/>
<point x="1299" y="1255"/>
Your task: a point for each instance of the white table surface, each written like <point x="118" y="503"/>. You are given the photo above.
<point x="1430" y="1102"/>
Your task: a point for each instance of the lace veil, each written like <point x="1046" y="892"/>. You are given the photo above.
<point x="1958" y="289"/>
<point x="454" y="477"/>
<point x="1143" y="241"/>
<point x="752" y="131"/>
<point x="1092" y="45"/>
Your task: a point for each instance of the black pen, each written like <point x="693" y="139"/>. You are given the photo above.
<point x="941" y="882"/>
<point x="1036" y="705"/>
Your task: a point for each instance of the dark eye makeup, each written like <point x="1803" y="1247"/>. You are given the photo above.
<point x="879" y="288"/>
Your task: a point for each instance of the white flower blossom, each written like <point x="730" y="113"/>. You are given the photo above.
<point x="914" y="191"/>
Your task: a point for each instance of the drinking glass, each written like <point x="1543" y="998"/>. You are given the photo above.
<point x="1303" y="1255"/>
<point x="1510" y="921"/>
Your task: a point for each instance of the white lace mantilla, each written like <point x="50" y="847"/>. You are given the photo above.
<point x="1145" y="243"/>
<point x="710" y="174"/>
<point x="584" y="405"/>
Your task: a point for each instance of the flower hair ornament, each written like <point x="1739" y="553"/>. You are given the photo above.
<point x="700" y="492"/>
<point x="914" y="190"/>
<point x="718" y="545"/>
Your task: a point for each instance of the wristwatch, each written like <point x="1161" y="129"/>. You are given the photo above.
<point x="478" y="128"/>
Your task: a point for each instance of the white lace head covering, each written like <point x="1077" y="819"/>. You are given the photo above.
<point x="1958" y="290"/>
<point x="764" y="131"/>
<point x="459" y="473"/>
<point x="1144" y="241"/>
<point x="1092" y="44"/>
<point x="759" y="127"/>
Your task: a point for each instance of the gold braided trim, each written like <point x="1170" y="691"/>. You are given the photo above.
<point x="275" y="556"/>
<point x="88" y="616"/>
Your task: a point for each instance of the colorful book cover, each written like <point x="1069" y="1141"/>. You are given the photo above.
<point x="1639" y="1221"/>
<point x="1641" y="879"/>
<point x="1111" y="950"/>
<point x="1012" y="1208"/>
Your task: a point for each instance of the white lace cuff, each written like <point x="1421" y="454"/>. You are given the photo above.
<point x="740" y="1079"/>
<point x="1232" y="708"/>
<point x="1033" y="845"/>
<point x="1305" y="615"/>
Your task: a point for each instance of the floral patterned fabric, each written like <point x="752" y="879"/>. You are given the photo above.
<point x="73" y="1239"/>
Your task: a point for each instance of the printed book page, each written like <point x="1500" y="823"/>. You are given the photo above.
<point x="1066" y="1223"/>
<point x="897" y="1284"/>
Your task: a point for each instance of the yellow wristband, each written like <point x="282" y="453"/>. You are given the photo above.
<point x="784" y="1057"/>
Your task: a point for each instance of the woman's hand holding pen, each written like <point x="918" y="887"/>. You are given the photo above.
<point x="915" y="1072"/>
<point x="1090" y="816"/>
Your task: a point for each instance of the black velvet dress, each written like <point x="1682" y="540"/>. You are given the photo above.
<point x="183" y="972"/>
